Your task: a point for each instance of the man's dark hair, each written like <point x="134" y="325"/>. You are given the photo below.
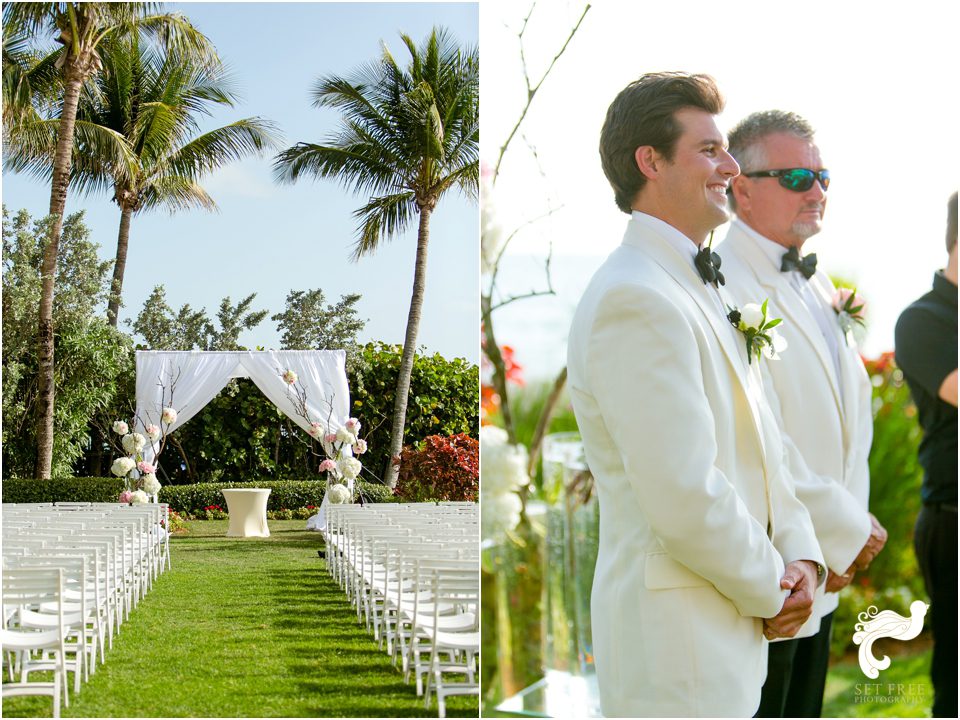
<point x="745" y="138"/>
<point x="952" y="223"/>
<point x="643" y="114"/>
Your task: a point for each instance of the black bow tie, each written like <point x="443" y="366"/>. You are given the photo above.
<point x="806" y="266"/>
<point x="707" y="263"/>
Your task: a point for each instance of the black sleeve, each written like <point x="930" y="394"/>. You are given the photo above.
<point x="923" y="349"/>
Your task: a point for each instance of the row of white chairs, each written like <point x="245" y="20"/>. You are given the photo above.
<point x="412" y="572"/>
<point x="96" y="562"/>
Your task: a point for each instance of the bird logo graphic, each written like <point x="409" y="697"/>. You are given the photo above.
<point x="875" y="624"/>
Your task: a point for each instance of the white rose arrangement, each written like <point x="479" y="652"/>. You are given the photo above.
<point x="139" y="488"/>
<point x="503" y="472"/>
<point x="338" y="494"/>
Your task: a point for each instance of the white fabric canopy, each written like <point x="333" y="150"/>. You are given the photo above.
<point x="188" y="380"/>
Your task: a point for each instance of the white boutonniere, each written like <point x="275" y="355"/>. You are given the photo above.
<point x="849" y="308"/>
<point x="758" y="331"/>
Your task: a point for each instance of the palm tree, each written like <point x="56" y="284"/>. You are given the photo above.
<point x="81" y="28"/>
<point x="152" y="100"/>
<point x="408" y="135"/>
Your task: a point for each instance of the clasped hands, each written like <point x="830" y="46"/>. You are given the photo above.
<point x="874" y="544"/>
<point x="800" y="578"/>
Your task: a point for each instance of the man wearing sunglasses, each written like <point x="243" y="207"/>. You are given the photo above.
<point x="703" y="545"/>
<point x="819" y="389"/>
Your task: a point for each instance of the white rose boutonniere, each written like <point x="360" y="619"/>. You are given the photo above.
<point x="758" y="331"/>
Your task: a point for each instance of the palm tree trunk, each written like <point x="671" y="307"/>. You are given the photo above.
<point x="120" y="265"/>
<point x="73" y="81"/>
<point x="409" y="350"/>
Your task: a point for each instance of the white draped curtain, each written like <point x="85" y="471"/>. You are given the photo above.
<point x="188" y="380"/>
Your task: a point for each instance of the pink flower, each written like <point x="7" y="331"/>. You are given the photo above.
<point x="289" y="377"/>
<point x="126" y="496"/>
<point x="315" y="430"/>
<point x="146" y="468"/>
<point x="330" y="438"/>
<point x="848" y="301"/>
<point x="153" y="432"/>
<point x="360" y="447"/>
<point x="169" y="415"/>
<point x="353" y="425"/>
<point x="328" y="465"/>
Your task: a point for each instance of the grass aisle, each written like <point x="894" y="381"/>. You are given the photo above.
<point x="249" y="627"/>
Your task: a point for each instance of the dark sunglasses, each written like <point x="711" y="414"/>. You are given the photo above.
<point x="796" y="179"/>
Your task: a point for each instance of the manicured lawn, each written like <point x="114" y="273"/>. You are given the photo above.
<point x="244" y="627"/>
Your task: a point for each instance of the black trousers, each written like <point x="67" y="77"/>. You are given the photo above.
<point x="935" y="541"/>
<point x="796" y="674"/>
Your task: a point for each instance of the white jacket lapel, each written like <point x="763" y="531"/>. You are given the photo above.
<point x="681" y="269"/>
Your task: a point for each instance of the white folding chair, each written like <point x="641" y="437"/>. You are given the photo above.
<point x="25" y="589"/>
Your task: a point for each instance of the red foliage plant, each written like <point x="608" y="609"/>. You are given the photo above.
<point x="444" y="468"/>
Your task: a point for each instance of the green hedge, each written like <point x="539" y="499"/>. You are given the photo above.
<point x="286" y="494"/>
<point x="29" y="490"/>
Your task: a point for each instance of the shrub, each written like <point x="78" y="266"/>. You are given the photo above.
<point x="442" y="400"/>
<point x="443" y="468"/>
<point x="28" y="490"/>
<point x="191" y="499"/>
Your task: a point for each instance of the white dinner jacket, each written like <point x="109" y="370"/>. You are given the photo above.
<point x="827" y="425"/>
<point x="691" y="484"/>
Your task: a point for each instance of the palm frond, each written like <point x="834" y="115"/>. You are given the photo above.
<point x="175" y="193"/>
<point x="382" y="218"/>
<point x="250" y="136"/>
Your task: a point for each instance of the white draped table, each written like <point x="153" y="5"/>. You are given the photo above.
<point x="248" y="512"/>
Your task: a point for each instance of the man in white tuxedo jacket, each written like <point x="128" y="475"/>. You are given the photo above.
<point x="818" y="389"/>
<point x="704" y="549"/>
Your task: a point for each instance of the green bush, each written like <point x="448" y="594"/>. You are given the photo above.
<point x="29" y="490"/>
<point x="442" y="400"/>
<point x="193" y="499"/>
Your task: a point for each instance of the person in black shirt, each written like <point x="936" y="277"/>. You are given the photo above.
<point x="926" y="351"/>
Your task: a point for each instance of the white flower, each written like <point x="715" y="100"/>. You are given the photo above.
<point x="778" y="343"/>
<point x="121" y="466"/>
<point x="133" y="443"/>
<point x="121" y="428"/>
<point x="153" y="432"/>
<point x="150" y="484"/>
<point x="360" y="447"/>
<point x="353" y="425"/>
<point x="345" y="436"/>
<point x="289" y="377"/>
<point x="750" y="317"/>
<point x="315" y="430"/>
<point x="349" y="467"/>
<point x="338" y="494"/>
<point x="138" y="497"/>
<point x="169" y="415"/>
<point x="503" y="472"/>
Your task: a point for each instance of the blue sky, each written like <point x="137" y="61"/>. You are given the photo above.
<point x="269" y="238"/>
